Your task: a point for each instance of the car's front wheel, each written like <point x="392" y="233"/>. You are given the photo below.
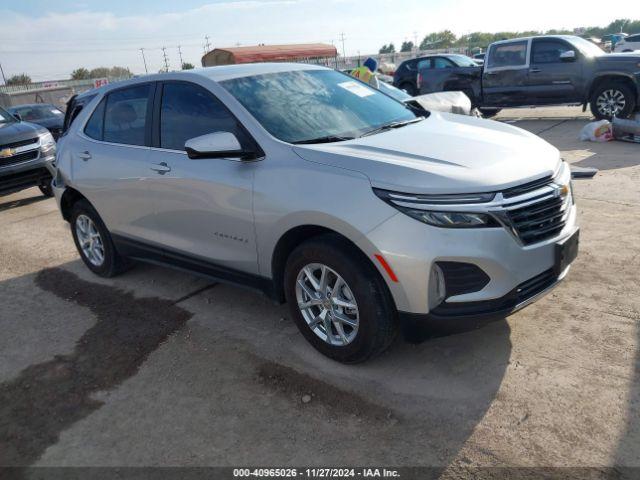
<point x="612" y="100"/>
<point x="338" y="300"/>
<point x="94" y="242"/>
<point x="46" y="189"/>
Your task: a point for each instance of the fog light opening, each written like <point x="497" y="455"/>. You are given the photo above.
<point x="437" y="287"/>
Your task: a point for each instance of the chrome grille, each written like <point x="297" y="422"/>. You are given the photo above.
<point x="19" y="158"/>
<point x="540" y="220"/>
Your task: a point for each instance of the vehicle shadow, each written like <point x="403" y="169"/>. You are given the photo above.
<point x="415" y="405"/>
<point x="20" y="202"/>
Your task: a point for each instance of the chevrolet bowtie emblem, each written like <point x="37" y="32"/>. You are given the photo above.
<point x="7" y="152"/>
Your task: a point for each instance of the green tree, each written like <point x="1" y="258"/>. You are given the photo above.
<point x="406" y="46"/>
<point x="387" y="49"/>
<point x="99" y="72"/>
<point x="21" y="79"/>
<point x="120" y="72"/>
<point x="187" y="66"/>
<point x="443" y="39"/>
<point x="80" y="74"/>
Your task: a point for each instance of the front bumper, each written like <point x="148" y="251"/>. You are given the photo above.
<point x="509" y="265"/>
<point x="16" y="177"/>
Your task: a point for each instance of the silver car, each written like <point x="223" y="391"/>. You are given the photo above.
<point x="307" y="185"/>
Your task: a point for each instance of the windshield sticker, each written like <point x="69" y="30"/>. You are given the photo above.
<point x="356" y="88"/>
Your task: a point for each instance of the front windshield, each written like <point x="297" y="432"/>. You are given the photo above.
<point x="462" y="60"/>
<point x="6" y="117"/>
<point x="37" y="112"/>
<point x="394" y="92"/>
<point x="586" y="47"/>
<point x="303" y="105"/>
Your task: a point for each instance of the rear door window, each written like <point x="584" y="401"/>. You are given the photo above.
<point x="426" y="63"/>
<point x="504" y="55"/>
<point x="188" y="111"/>
<point x="125" y="116"/>
<point x="440" y="62"/>
<point x="94" y="126"/>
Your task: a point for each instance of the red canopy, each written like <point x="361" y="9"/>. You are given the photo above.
<point x="267" y="53"/>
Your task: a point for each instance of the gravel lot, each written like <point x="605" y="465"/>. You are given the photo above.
<point x="162" y="368"/>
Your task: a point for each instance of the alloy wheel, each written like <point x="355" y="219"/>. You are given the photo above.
<point x="327" y="304"/>
<point x="90" y="240"/>
<point x="611" y="102"/>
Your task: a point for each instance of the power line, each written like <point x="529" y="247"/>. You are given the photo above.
<point x="144" y="60"/>
<point x="180" y="53"/>
<point x="166" y="59"/>
<point x="207" y="45"/>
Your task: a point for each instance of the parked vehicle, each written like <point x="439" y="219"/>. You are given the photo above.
<point x="628" y="44"/>
<point x="479" y="58"/>
<point x="314" y="188"/>
<point x="27" y="155"/>
<point x="43" y="114"/>
<point x="551" y="70"/>
<point x="433" y="67"/>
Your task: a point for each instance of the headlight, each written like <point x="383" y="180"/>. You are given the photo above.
<point x="412" y="205"/>
<point x="563" y="180"/>
<point x="47" y="143"/>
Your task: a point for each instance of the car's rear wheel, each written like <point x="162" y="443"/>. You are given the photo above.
<point x="612" y="100"/>
<point x="338" y="300"/>
<point x="94" y="242"/>
<point x="489" y="112"/>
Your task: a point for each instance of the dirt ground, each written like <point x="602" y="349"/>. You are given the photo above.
<point x="161" y="368"/>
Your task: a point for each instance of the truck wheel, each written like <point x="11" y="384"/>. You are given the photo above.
<point x="489" y="112"/>
<point x="338" y="300"/>
<point x="94" y="242"/>
<point x="612" y="100"/>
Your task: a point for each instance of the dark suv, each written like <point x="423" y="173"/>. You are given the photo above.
<point x="432" y="66"/>
<point x="27" y="155"/>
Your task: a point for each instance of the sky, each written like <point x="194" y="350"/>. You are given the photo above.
<point x="48" y="39"/>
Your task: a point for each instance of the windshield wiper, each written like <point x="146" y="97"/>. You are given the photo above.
<point x="392" y="125"/>
<point x="325" y="139"/>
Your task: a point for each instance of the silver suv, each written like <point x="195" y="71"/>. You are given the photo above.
<point x="312" y="187"/>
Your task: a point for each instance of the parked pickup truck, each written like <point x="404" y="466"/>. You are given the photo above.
<point x="549" y="70"/>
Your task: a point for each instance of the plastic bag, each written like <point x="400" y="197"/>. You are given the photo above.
<point x="451" y="102"/>
<point x="597" y="131"/>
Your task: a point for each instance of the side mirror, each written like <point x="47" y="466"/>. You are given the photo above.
<point x="568" y="56"/>
<point x="17" y="117"/>
<point x="215" y="145"/>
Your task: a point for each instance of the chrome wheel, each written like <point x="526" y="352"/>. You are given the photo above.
<point x="327" y="304"/>
<point x="90" y="240"/>
<point x="610" y="102"/>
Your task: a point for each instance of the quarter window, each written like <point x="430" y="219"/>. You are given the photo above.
<point x="93" y="128"/>
<point x="548" y="51"/>
<point x="512" y="54"/>
<point x="126" y="114"/>
<point x="189" y="111"/>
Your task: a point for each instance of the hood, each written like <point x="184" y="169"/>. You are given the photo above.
<point x="18" y="131"/>
<point x="631" y="58"/>
<point x="51" y="122"/>
<point x="444" y="153"/>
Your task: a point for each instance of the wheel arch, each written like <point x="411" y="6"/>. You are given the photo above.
<point x="294" y="237"/>
<point x="68" y="199"/>
<point x="612" y="78"/>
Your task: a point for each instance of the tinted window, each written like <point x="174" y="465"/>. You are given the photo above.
<point x="548" y="51"/>
<point x="632" y="38"/>
<point x="508" y="55"/>
<point x="126" y="113"/>
<point x="422" y="64"/>
<point x="304" y="105"/>
<point x="440" y="62"/>
<point x="93" y="128"/>
<point x="189" y="111"/>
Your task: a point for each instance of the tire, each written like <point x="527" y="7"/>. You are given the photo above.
<point x="489" y="112"/>
<point x="111" y="263"/>
<point x="409" y="88"/>
<point x="46" y="189"/>
<point x="612" y="91"/>
<point x="375" y="311"/>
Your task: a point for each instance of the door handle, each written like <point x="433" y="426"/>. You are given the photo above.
<point x="534" y="70"/>
<point x="161" y="168"/>
<point x="85" y="155"/>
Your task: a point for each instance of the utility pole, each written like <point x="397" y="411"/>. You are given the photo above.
<point x="342" y="38"/>
<point x="180" y="53"/>
<point x="207" y="45"/>
<point x="166" y="60"/>
<point x="415" y="40"/>
<point x="144" y="60"/>
<point x="4" y="79"/>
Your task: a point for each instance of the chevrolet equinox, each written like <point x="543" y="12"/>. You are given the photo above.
<point x="318" y="190"/>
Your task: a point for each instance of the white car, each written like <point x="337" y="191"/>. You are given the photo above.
<point x="628" y="44"/>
